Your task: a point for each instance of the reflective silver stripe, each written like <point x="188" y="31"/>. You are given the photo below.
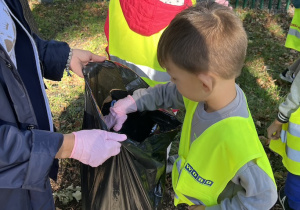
<point x="294" y="32"/>
<point x="294" y="129"/>
<point x="178" y="164"/>
<point x="144" y="71"/>
<point x="283" y="136"/>
<point x="293" y="154"/>
<point x="194" y="200"/>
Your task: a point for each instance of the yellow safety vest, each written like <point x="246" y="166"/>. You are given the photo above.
<point x="293" y="37"/>
<point x="134" y="50"/>
<point x="205" y="167"/>
<point x="288" y="146"/>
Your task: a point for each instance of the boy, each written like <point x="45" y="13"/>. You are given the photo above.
<point x="221" y="163"/>
<point x="288" y="146"/>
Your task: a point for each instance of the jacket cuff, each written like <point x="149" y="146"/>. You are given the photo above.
<point x="281" y="118"/>
<point x="56" y="59"/>
<point x="53" y="55"/>
<point x="45" y="145"/>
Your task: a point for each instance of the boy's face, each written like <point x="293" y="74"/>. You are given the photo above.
<point x="188" y="84"/>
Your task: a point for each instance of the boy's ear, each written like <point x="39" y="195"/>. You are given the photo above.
<point x="207" y="81"/>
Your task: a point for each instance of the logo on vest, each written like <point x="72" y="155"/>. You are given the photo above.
<point x="196" y="176"/>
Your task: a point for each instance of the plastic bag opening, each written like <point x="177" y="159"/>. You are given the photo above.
<point x="134" y="179"/>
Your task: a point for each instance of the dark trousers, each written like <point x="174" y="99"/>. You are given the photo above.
<point x="292" y="191"/>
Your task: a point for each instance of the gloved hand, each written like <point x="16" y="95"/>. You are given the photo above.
<point x="118" y="113"/>
<point x="93" y="147"/>
<point x="224" y="3"/>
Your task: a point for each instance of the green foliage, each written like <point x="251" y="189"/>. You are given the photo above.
<point x="67" y="195"/>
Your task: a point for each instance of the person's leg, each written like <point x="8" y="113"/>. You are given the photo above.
<point x="292" y="191"/>
<point x="290" y="73"/>
<point x="295" y="67"/>
<point x="287" y="76"/>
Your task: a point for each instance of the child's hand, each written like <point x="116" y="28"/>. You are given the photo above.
<point x="118" y="113"/>
<point x="274" y="130"/>
<point x="197" y="207"/>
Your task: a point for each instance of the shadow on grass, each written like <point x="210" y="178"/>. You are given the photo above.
<point x="71" y="118"/>
<point x="69" y="172"/>
<point x="266" y="59"/>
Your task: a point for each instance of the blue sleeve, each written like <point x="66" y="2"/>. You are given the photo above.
<point x="53" y="56"/>
<point x="26" y="157"/>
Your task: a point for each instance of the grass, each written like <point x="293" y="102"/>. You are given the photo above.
<point x="80" y="23"/>
<point x="266" y="58"/>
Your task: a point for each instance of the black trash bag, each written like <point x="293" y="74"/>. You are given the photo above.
<point x="135" y="178"/>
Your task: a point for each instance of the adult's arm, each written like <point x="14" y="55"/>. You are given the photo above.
<point x="26" y="156"/>
<point x="53" y="57"/>
<point x="161" y="96"/>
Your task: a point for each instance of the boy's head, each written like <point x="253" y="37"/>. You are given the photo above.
<point x="205" y="38"/>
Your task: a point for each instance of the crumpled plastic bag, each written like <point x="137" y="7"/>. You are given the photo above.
<point x="135" y="178"/>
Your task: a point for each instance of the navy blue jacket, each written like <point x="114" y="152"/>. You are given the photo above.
<point x="27" y="147"/>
